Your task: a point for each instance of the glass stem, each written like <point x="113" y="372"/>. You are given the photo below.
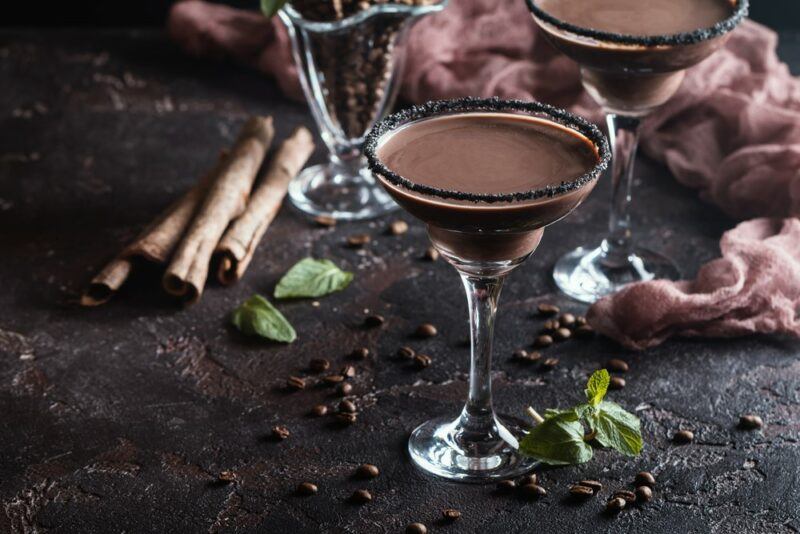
<point x="623" y="133"/>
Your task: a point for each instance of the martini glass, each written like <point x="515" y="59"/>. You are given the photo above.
<point x="484" y="235"/>
<point x="629" y="76"/>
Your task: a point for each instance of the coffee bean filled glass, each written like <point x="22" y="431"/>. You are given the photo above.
<point x="633" y="55"/>
<point x="486" y="176"/>
<point x="349" y="61"/>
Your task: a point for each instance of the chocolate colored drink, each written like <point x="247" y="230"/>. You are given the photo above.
<point x="643" y="70"/>
<point x="488" y="153"/>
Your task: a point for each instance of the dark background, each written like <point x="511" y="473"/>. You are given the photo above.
<point x="779" y="14"/>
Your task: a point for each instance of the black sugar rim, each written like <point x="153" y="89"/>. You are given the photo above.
<point x="685" y="38"/>
<point x="471" y="104"/>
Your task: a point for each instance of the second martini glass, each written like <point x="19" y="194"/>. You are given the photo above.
<point x="486" y="176"/>
<point x="633" y="55"/>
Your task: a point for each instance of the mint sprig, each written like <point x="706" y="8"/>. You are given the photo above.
<point x="312" y="278"/>
<point x="257" y="316"/>
<point x="560" y="437"/>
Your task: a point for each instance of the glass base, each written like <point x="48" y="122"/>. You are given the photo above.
<point x="585" y="275"/>
<point x="442" y="447"/>
<point x="341" y="193"/>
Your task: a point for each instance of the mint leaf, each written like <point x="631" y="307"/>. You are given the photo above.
<point x="557" y="440"/>
<point x="617" y="429"/>
<point x="257" y="316"/>
<point x="271" y="7"/>
<point x="312" y="278"/>
<point x="597" y="386"/>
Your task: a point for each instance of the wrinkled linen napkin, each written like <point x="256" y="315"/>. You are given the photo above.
<point x="732" y="132"/>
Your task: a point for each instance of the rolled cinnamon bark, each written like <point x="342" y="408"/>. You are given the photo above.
<point x="236" y="248"/>
<point x="226" y="200"/>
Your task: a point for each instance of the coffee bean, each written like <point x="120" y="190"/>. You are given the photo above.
<point x="530" y="478"/>
<point x="226" y="476"/>
<point x="367" y="471"/>
<point x="361" y="353"/>
<point x="398" y="227"/>
<point x="358" y="240"/>
<point x="406" y="353"/>
<point x="319" y="410"/>
<point x="644" y="494"/>
<point x="346" y="418"/>
<point x="615" y="505"/>
<point x="594" y="485"/>
<point x="683" y="437"/>
<point x="431" y="254"/>
<point x="347" y="406"/>
<point x="627" y="495"/>
<point x="348" y="371"/>
<point x="332" y="379"/>
<point x="426" y="330"/>
<point x="520" y="354"/>
<point x="344" y="389"/>
<point x="533" y="491"/>
<point x="580" y="320"/>
<point x="750" y="422"/>
<point x="361" y="496"/>
<point x="451" y="514"/>
<point x="549" y="364"/>
<point x="422" y="361"/>
<point x="643" y="478"/>
<point x="548" y="309"/>
<point x="567" y="319"/>
<point x="374" y="321"/>
<point x="505" y="486"/>
<point x="580" y="492"/>
<point x="562" y="334"/>
<point x="295" y="383"/>
<point x="524" y="356"/>
<point x="617" y="365"/>
<point x="616" y="382"/>
<point x="307" y="488"/>
<point x="318" y="365"/>
<point x="543" y="341"/>
<point x="551" y="325"/>
<point x="416" y="528"/>
<point x="584" y="332"/>
<point x="324" y="220"/>
<point x="280" y="432"/>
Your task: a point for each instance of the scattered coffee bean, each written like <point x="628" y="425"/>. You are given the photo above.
<point x="543" y="341"/>
<point x="318" y="365"/>
<point x="567" y="319"/>
<point x="295" y="383"/>
<point x="643" y="478"/>
<point x="416" y="528"/>
<point x="627" y="495"/>
<point x="580" y="320"/>
<point x="750" y="422"/>
<point x="361" y="353"/>
<point x="584" y="332"/>
<point x="361" y="496"/>
<point x="551" y="325"/>
<point x="332" y="379"/>
<point x="644" y="494"/>
<point x="431" y="254"/>
<point x="319" y="410"/>
<point x="451" y="514"/>
<point x="367" y="471"/>
<point x="406" y="353"/>
<point x="562" y="334"/>
<point x="307" y="488"/>
<point x="398" y="227"/>
<point x="324" y="220"/>
<point x="422" y="361"/>
<point x="426" y="330"/>
<point x="548" y="309"/>
<point x="530" y="478"/>
<point x="506" y="485"/>
<point x="615" y="505"/>
<point x="617" y="365"/>
<point x="358" y="240"/>
<point x="616" y="382"/>
<point x="348" y="371"/>
<point x="522" y="355"/>
<point x="580" y="492"/>
<point x="346" y="418"/>
<point x="280" y="432"/>
<point x="344" y="389"/>
<point x="532" y="491"/>
<point x="226" y="476"/>
<point x="549" y="364"/>
<point x="347" y="406"/>
<point x="374" y="321"/>
<point x="683" y="437"/>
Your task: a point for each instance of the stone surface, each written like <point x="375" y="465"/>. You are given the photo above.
<point x="121" y="418"/>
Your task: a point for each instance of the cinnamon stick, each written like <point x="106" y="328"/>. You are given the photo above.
<point x="226" y="200"/>
<point x="237" y="246"/>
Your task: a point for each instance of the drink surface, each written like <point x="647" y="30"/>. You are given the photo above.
<point x="494" y="153"/>
<point x="639" y="17"/>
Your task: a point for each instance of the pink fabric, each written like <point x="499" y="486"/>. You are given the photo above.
<point x="732" y="132"/>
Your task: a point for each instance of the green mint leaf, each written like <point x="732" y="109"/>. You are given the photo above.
<point x="312" y="278"/>
<point x="257" y="316"/>
<point x="567" y="415"/>
<point x="617" y="429"/>
<point x="597" y="386"/>
<point x="558" y="440"/>
<point x="271" y="7"/>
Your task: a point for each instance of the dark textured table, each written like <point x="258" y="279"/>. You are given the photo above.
<point x="120" y="418"/>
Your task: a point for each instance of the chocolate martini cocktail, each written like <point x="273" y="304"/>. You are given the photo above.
<point x="633" y="56"/>
<point x="486" y="176"/>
